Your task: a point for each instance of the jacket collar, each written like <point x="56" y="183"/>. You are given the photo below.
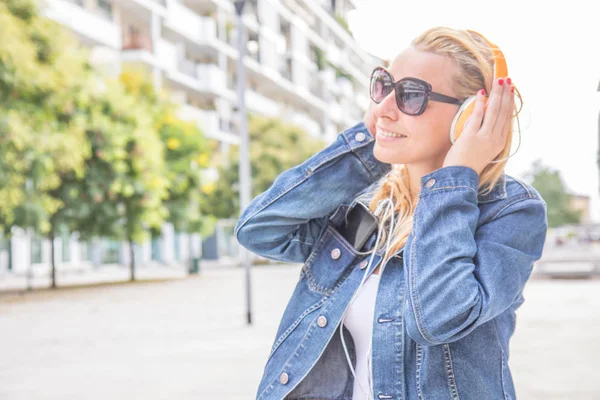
<point x="498" y="192"/>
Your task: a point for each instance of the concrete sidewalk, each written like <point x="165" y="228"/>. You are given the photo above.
<point x="187" y="339"/>
<point x="88" y="275"/>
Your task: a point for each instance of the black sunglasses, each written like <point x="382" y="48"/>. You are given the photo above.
<point x="412" y="94"/>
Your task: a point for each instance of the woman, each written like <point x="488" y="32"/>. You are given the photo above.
<point x="428" y="312"/>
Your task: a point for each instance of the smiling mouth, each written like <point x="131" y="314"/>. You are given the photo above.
<point x="381" y="132"/>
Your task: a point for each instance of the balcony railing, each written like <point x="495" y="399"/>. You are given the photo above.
<point x="138" y="42"/>
<point x="207" y="77"/>
<point x="85" y="23"/>
<point x="207" y="120"/>
<point x="261" y="104"/>
<point x="189" y="24"/>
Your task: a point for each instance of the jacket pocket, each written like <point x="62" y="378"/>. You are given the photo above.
<point x="294" y="325"/>
<point x="329" y="262"/>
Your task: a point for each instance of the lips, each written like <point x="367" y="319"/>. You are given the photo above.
<point x="389" y="134"/>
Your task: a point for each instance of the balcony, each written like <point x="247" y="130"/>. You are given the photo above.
<point x="316" y="88"/>
<point x="345" y="86"/>
<point x="334" y="55"/>
<point x="327" y="78"/>
<point x="335" y="112"/>
<point x="143" y="9"/>
<point x="261" y="104"/>
<point x="303" y="121"/>
<point x="166" y="54"/>
<point x="205" y="78"/>
<point x="210" y="124"/>
<point x="93" y="28"/>
<point x="187" y="23"/>
<point x="207" y="120"/>
<point x="137" y="48"/>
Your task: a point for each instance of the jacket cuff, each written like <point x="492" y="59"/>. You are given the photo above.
<point x="448" y="178"/>
<point x="362" y="142"/>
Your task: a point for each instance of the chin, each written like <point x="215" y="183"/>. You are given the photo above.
<point x="390" y="155"/>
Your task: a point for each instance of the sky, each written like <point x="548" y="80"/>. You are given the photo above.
<point x="553" y="54"/>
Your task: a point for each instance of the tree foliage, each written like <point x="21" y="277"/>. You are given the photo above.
<point x="274" y="147"/>
<point x="550" y="184"/>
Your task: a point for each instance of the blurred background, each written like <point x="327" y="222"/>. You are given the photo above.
<point x="124" y="125"/>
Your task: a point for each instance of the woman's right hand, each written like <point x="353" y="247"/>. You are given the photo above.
<point x="369" y="119"/>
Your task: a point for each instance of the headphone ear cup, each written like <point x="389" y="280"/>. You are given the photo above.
<point x="463" y="113"/>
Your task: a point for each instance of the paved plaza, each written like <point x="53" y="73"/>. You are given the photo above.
<point x="187" y="338"/>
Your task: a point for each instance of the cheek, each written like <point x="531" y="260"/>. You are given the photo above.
<point x="436" y="128"/>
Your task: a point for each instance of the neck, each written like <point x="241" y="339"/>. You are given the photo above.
<point x="418" y="171"/>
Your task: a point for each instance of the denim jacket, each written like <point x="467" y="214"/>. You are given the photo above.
<point x="445" y="307"/>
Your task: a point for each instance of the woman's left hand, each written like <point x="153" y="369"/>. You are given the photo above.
<point x="479" y="143"/>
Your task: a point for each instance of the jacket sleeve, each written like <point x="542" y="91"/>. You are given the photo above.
<point x="460" y="276"/>
<point x="284" y="222"/>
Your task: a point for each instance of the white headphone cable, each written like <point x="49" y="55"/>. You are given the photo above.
<point x="389" y="203"/>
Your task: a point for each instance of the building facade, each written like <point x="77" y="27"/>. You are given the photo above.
<point x="302" y="66"/>
<point x="581" y="203"/>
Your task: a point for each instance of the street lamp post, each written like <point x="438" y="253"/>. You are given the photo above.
<point x="598" y="153"/>
<point x="244" y="168"/>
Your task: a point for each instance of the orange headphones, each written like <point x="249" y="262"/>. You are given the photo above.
<point x="466" y="109"/>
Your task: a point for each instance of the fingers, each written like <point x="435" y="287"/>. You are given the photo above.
<point x="493" y="107"/>
<point x="474" y="122"/>
<point x="508" y="106"/>
<point x="500" y="108"/>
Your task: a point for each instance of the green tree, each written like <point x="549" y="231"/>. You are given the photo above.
<point x="274" y="147"/>
<point x="121" y="194"/>
<point x="552" y="188"/>
<point x="43" y="79"/>
<point x="77" y="152"/>
<point x="187" y="156"/>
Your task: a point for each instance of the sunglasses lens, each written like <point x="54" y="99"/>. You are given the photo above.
<point x="411" y="96"/>
<point x="381" y="85"/>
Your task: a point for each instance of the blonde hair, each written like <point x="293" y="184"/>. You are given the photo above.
<point x="474" y="59"/>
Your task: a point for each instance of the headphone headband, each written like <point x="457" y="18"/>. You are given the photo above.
<point x="500" y="67"/>
<point x="500" y="70"/>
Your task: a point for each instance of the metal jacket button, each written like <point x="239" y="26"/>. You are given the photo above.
<point x="284" y="378"/>
<point x="363" y="264"/>
<point x="360" y="137"/>
<point x="430" y="183"/>
<point x="336" y="253"/>
<point x="322" y="321"/>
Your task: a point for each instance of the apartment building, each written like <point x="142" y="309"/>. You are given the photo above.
<point x="302" y="65"/>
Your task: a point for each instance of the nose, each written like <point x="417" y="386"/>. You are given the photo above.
<point x="387" y="107"/>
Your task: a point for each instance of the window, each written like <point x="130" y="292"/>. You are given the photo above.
<point x="105" y="8"/>
<point x="156" y="249"/>
<point x="66" y="247"/>
<point x="111" y="254"/>
<point x="85" y="251"/>
<point x="4" y="254"/>
<point x="36" y="250"/>
<point x="177" y="248"/>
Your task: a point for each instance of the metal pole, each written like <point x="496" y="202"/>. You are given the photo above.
<point x="30" y="238"/>
<point x="244" y="169"/>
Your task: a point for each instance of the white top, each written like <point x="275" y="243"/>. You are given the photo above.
<point x="359" y="321"/>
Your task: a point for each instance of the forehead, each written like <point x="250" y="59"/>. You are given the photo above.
<point x="436" y="69"/>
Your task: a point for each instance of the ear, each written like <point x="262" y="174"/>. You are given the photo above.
<point x="460" y="119"/>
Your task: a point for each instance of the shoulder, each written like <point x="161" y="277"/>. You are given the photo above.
<point x="518" y="190"/>
<point x="520" y="197"/>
